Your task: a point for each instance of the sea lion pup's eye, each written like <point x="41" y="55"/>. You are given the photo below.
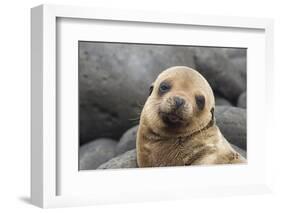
<point x="200" y="101"/>
<point x="150" y="90"/>
<point x="164" y="87"/>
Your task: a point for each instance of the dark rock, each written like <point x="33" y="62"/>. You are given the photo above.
<point x="241" y="65"/>
<point x="220" y="101"/>
<point x="126" y="160"/>
<point x="93" y="154"/>
<point x="233" y="124"/>
<point x="239" y="150"/>
<point x="223" y="75"/>
<point x="238" y="57"/>
<point x="233" y="53"/>
<point x="114" y="81"/>
<point x="127" y="141"/>
<point x="242" y="100"/>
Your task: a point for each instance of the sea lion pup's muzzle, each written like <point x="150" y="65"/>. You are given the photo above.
<point x="175" y="111"/>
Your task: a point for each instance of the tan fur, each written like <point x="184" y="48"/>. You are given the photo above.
<point x="197" y="142"/>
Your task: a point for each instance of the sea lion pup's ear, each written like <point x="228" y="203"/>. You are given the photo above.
<point x="151" y="89"/>
<point x="213" y="115"/>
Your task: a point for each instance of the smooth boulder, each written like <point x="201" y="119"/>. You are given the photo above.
<point x="125" y="160"/>
<point x="234" y="53"/>
<point x="242" y="100"/>
<point x="232" y="122"/>
<point x="220" y="101"/>
<point x="93" y="154"/>
<point x="238" y="57"/>
<point x="127" y="141"/>
<point x="222" y="74"/>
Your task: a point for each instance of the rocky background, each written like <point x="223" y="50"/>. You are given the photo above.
<point x="114" y="80"/>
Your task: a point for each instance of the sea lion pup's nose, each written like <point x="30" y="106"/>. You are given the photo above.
<point x="178" y="102"/>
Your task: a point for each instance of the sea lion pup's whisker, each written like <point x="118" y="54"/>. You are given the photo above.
<point x="134" y="119"/>
<point x="175" y="127"/>
<point x="140" y="104"/>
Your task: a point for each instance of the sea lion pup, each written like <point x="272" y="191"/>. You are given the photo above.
<point x="177" y="125"/>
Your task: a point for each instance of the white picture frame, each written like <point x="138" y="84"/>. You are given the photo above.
<point x="47" y="166"/>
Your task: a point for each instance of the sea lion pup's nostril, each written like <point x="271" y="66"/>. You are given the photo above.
<point x="179" y="102"/>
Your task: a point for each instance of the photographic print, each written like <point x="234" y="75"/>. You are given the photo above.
<point x="157" y="97"/>
<point x="155" y="105"/>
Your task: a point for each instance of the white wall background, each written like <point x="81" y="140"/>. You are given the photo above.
<point x="15" y="105"/>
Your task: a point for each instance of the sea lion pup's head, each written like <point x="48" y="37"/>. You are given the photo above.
<point x="180" y="103"/>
